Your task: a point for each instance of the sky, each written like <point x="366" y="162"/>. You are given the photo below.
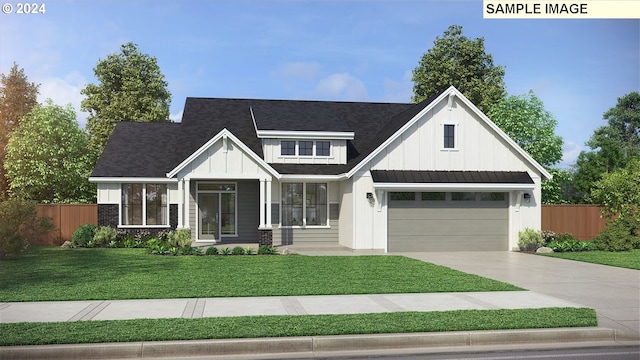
<point x="323" y="50"/>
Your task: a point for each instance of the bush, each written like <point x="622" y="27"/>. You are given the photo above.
<point x="212" y="251"/>
<point x="565" y="237"/>
<point x="238" y="250"/>
<point x="104" y="235"/>
<point x="266" y="250"/>
<point x="530" y="240"/>
<point x="571" y="245"/>
<point x="619" y="235"/>
<point x="179" y="238"/>
<point x="83" y="235"/>
<point x="20" y="224"/>
<point x="249" y="250"/>
<point x="548" y="236"/>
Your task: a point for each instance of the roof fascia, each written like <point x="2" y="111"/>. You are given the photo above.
<point x="451" y="91"/>
<point x="451" y="187"/>
<point x="289" y="134"/>
<point x="97" y="179"/>
<point x="224" y="133"/>
<point x="293" y="177"/>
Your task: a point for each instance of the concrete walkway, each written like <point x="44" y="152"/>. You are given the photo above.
<point x="61" y="311"/>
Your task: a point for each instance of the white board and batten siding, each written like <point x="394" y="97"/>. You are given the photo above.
<point x="420" y="147"/>
<point x="271" y="149"/>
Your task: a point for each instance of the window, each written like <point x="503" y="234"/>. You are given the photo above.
<point x="449" y="136"/>
<point x="305" y="148"/>
<point x="322" y="148"/>
<point x="304" y="204"/>
<point x="288" y="148"/>
<point x="433" y="196"/>
<point x="463" y="196"/>
<point x="492" y="196"/>
<point x="402" y="196"/>
<point x="144" y="204"/>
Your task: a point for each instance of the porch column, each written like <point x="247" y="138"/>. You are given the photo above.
<point x="187" y="188"/>
<point x="262" y="223"/>
<point x="180" y="203"/>
<point x="268" y="219"/>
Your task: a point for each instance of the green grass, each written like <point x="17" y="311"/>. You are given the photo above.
<point x="280" y="326"/>
<point x="48" y="274"/>
<point x="624" y="259"/>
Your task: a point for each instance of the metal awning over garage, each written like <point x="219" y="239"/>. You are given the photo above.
<point x="397" y="180"/>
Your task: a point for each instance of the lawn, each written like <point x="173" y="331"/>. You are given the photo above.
<point x="280" y="326"/>
<point x="624" y="259"/>
<point x="51" y="273"/>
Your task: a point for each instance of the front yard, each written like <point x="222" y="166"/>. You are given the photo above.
<point x="53" y="274"/>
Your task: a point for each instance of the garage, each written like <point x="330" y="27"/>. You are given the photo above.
<point x="448" y="221"/>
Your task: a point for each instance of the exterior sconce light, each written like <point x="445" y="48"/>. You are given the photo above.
<point x="527" y="197"/>
<point x="370" y="198"/>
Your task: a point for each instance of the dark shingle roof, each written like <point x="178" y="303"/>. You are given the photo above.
<point x="446" y="177"/>
<point x="154" y="149"/>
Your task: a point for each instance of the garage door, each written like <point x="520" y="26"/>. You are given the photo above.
<point x="448" y="221"/>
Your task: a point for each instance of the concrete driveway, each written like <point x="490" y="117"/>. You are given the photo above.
<point x="613" y="292"/>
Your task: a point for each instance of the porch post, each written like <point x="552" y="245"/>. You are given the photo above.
<point x="268" y="219"/>
<point x="180" y="203"/>
<point x="187" y="188"/>
<point x="262" y="223"/>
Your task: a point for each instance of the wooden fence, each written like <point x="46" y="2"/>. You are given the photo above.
<point x="66" y="218"/>
<point x="582" y="221"/>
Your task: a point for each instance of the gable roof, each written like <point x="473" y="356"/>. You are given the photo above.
<point x="155" y="149"/>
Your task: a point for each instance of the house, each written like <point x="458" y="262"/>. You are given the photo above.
<point x="432" y="176"/>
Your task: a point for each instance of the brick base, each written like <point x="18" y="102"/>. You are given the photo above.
<point x="108" y="216"/>
<point x="265" y="237"/>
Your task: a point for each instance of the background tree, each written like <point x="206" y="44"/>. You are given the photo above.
<point x="17" y="97"/>
<point x="131" y="87"/>
<point x="526" y="121"/>
<point x="457" y="60"/>
<point x="612" y="146"/>
<point x="48" y="158"/>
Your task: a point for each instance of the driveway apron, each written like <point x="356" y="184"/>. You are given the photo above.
<point x="613" y="292"/>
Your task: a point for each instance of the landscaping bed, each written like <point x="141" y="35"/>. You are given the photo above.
<point x="282" y="326"/>
<point x="54" y="274"/>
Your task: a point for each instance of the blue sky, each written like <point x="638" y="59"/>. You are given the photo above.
<point x="323" y="50"/>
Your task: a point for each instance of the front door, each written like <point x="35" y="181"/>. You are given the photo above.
<point x="209" y="205"/>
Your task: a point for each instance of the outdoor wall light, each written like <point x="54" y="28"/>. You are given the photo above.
<point x="527" y="197"/>
<point x="370" y="198"/>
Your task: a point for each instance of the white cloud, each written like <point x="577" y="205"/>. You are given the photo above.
<point x="570" y="152"/>
<point x="297" y="71"/>
<point x="342" y="86"/>
<point x="65" y="91"/>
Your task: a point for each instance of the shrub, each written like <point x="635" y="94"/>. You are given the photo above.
<point x="571" y="245"/>
<point x="83" y="235"/>
<point x="186" y="250"/>
<point x="548" y="236"/>
<point x="212" y="251"/>
<point x="238" y="250"/>
<point x="226" y="251"/>
<point x="197" y="251"/>
<point x="565" y="237"/>
<point x="249" y="250"/>
<point x="529" y="240"/>
<point x="112" y="244"/>
<point x="617" y="236"/>
<point x="266" y="250"/>
<point x="104" y="235"/>
<point x="20" y="224"/>
<point x="179" y="238"/>
<point x="143" y="235"/>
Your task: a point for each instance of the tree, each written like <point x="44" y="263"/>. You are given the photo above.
<point x="612" y="145"/>
<point x="526" y="121"/>
<point x="131" y="87"/>
<point x="457" y="60"/>
<point x="17" y="97"/>
<point x="19" y="225"/>
<point x="48" y="158"/>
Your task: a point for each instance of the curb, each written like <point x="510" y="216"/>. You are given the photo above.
<point x="310" y="344"/>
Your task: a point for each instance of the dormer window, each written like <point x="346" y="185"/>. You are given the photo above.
<point x="323" y="148"/>
<point x="288" y="148"/>
<point x="305" y="148"/>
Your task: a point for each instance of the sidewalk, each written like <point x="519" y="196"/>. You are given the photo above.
<point x="60" y="311"/>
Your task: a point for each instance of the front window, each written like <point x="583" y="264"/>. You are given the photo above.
<point x="305" y="148"/>
<point x="323" y="148"/>
<point x="288" y="148"/>
<point x="304" y="204"/>
<point x="449" y="136"/>
<point x="144" y="204"/>
<point x="463" y="196"/>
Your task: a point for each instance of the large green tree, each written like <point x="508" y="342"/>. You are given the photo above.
<point x="17" y="97"/>
<point x="611" y="146"/>
<point x="457" y="60"/>
<point x="531" y="126"/>
<point x="48" y="158"/>
<point x="131" y="87"/>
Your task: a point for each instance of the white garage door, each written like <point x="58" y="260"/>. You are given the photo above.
<point x="454" y="221"/>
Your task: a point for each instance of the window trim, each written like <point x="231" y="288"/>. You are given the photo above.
<point x="219" y="192"/>
<point x="144" y="208"/>
<point x="304" y="207"/>
<point x="456" y="136"/>
<point x="314" y="151"/>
